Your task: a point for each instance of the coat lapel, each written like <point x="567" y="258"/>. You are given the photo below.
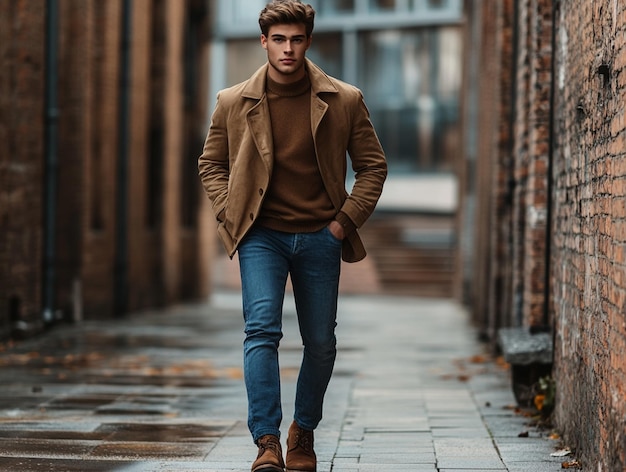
<point x="258" y="116"/>
<point x="261" y="131"/>
<point x="320" y="83"/>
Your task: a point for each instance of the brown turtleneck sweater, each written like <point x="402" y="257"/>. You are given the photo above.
<point x="296" y="200"/>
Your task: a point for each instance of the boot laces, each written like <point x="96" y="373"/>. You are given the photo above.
<point x="269" y="442"/>
<point x="304" y="439"/>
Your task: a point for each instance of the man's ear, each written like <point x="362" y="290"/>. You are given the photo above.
<point x="264" y="41"/>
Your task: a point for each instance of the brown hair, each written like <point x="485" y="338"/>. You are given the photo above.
<point x="281" y="12"/>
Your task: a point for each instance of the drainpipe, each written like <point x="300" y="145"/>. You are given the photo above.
<point x="51" y="160"/>
<point x="121" y="228"/>
<point x="556" y="7"/>
<point x="516" y="318"/>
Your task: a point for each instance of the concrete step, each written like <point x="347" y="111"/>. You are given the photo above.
<point x="413" y="254"/>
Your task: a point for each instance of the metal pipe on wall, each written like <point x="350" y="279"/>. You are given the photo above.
<point x="51" y="159"/>
<point x="121" y="228"/>
<point x="547" y="319"/>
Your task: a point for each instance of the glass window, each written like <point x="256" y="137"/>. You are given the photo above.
<point x="383" y="5"/>
<point x="242" y="11"/>
<point x="437" y="3"/>
<point x="412" y="90"/>
<point x="431" y="4"/>
<point x="330" y="7"/>
<point x="326" y="52"/>
<point x="244" y="56"/>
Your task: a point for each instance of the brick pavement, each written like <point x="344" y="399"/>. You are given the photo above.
<point x="162" y="391"/>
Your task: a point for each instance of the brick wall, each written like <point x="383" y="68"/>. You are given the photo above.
<point x="589" y="230"/>
<point x="488" y="179"/>
<point x="531" y="154"/>
<point x="169" y="243"/>
<point x="22" y="30"/>
<point x="512" y="128"/>
<point x="553" y="240"/>
<point x="88" y="140"/>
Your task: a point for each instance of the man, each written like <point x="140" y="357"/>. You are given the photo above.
<point x="274" y="167"/>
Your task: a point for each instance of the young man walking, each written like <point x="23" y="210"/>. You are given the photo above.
<point x="274" y="167"/>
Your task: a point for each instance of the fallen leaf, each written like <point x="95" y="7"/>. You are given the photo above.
<point x="571" y="465"/>
<point x="554" y="436"/>
<point x="539" y="400"/>
<point x="500" y="362"/>
<point x="478" y="359"/>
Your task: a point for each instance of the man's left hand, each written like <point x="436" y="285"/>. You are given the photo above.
<point x="336" y="230"/>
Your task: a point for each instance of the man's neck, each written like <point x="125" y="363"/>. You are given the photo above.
<point x="281" y="78"/>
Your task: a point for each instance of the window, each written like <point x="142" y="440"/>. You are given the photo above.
<point x="243" y="57"/>
<point x="410" y="79"/>
<point x="241" y="11"/>
<point x="385" y="5"/>
<point x="437" y="3"/>
<point x="327" y="52"/>
<point x="333" y="7"/>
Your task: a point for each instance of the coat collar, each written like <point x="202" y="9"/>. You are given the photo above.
<point x="320" y="82"/>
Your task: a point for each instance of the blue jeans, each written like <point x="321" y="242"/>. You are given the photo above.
<point x="313" y="260"/>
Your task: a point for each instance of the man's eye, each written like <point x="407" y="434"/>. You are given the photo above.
<point x="297" y="40"/>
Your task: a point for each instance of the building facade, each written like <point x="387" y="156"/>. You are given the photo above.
<point x="103" y="116"/>
<point x="543" y="199"/>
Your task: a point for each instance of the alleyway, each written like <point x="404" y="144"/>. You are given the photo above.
<point x="162" y="391"/>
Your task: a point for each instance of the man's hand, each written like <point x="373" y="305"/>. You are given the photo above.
<point x="336" y="230"/>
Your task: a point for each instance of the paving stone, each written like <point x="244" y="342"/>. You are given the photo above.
<point x="392" y="457"/>
<point x="471" y="462"/>
<point x="27" y="447"/>
<point x="126" y="450"/>
<point x="534" y="466"/>
<point x="474" y="470"/>
<point x="30" y="464"/>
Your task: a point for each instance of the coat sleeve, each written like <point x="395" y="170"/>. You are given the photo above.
<point x="213" y="164"/>
<point x="368" y="163"/>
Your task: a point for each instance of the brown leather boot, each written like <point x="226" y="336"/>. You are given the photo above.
<point x="270" y="457"/>
<point x="300" y="453"/>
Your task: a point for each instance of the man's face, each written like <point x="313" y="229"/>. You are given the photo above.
<point x="286" y="45"/>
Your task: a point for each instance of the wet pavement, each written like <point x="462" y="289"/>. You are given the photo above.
<point x="412" y="391"/>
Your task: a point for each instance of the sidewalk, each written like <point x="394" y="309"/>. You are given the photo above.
<point x="163" y="391"/>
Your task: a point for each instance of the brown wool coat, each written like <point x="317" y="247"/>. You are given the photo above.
<point x="236" y="163"/>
